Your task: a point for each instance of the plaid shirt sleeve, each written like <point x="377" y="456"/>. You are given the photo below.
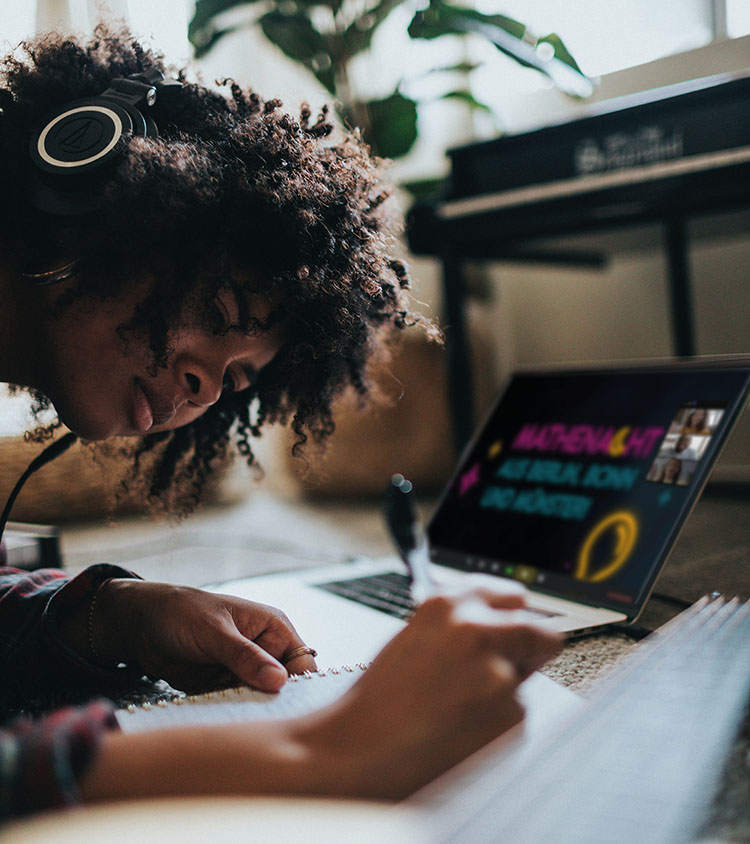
<point x="41" y="758"/>
<point x="33" y="657"/>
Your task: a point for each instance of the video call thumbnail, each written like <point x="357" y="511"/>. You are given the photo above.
<point x="685" y="443"/>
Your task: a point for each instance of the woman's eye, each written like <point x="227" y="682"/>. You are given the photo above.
<point x="220" y="316"/>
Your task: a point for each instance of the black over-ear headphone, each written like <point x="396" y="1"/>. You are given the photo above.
<point x="78" y="142"/>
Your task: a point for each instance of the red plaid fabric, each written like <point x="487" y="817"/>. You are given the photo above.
<point x="42" y="757"/>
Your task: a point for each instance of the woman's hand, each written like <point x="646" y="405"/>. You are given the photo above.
<point x="194" y="639"/>
<point x="441" y="689"/>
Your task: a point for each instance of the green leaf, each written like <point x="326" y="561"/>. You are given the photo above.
<point x="509" y="36"/>
<point x="393" y="125"/>
<point x="440" y="18"/>
<point x="293" y="33"/>
<point x="290" y="30"/>
<point x="468" y="98"/>
<point x="460" y="67"/>
<point x="327" y="78"/>
<point x="561" y="51"/>
<point x="216" y="35"/>
<point x="358" y="36"/>
<point x="202" y="29"/>
<point x="425" y="188"/>
<point x="333" y="5"/>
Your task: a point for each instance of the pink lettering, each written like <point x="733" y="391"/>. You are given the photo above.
<point x="469" y="479"/>
<point x="642" y="441"/>
<point x="526" y="438"/>
<point x="588" y="439"/>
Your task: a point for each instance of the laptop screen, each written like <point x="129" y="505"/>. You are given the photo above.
<point x="579" y="481"/>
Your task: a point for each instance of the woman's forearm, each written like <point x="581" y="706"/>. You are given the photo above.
<point x="255" y="759"/>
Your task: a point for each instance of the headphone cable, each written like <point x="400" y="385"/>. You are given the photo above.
<point x="52" y="451"/>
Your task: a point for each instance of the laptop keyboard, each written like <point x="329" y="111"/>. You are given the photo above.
<point x="387" y="592"/>
<point x="390" y="593"/>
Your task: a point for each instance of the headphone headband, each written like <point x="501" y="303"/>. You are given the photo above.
<point x="78" y="142"/>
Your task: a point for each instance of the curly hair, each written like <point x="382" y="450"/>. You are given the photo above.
<point x="230" y="181"/>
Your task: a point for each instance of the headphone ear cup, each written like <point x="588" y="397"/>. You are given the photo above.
<point x="77" y="144"/>
<point x="84" y="136"/>
<point x="139" y="123"/>
<point x="152" y="130"/>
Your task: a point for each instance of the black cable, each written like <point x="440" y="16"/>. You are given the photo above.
<point x="671" y="599"/>
<point x="632" y="631"/>
<point x="52" y="451"/>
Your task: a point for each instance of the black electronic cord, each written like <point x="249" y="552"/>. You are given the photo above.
<point x="671" y="599"/>
<point x="52" y="451"/>
<point x="637" y="632"/>
<point x="632" y="631"/>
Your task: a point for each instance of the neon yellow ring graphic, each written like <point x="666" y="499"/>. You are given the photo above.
<point x="626" y="526"/>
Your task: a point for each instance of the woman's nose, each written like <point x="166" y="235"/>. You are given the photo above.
<point x="203" y="390"/>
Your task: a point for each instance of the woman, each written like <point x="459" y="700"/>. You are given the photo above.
<point x="183" y="266"/>
<point x="671" y="471"/>
<point x="696" y="422"/>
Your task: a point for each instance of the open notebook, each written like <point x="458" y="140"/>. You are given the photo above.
<point x="546" y="704"/>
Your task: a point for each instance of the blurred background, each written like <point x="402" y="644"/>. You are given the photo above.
<point x="422" y="78"/>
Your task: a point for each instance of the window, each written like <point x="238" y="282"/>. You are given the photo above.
<point x="738" y="18"/>
<point x="606" y="37"/>
<point x="164" y="23"/>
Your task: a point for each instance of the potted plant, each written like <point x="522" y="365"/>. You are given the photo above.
<point x="326" y="36"/>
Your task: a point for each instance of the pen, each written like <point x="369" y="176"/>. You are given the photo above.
<point x="408" y="536"/>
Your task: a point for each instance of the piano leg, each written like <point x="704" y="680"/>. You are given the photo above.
<point x="678" y="268"/>
<point x="460" y="369"/>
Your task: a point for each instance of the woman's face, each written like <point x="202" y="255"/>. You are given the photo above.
<point x="100" y="383"/>
<point x="672" y="469"/>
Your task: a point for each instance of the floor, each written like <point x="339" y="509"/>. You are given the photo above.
<point x="277" y="528"/>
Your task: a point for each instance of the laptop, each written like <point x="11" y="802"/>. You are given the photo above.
<point x="576" y="486"/>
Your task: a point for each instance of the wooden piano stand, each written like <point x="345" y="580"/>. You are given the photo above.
<point x="667" y="157"/>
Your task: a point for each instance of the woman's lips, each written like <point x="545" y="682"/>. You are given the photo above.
<point x="151" y="408"/>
